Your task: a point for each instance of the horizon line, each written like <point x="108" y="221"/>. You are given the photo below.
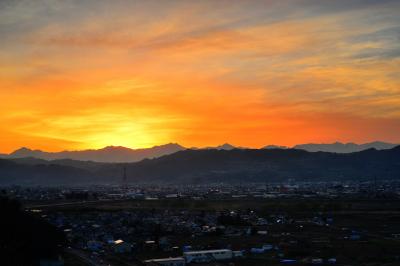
<point x="201" y="147"/>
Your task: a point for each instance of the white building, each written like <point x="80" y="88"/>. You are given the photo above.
<point x="167" y="262"/>
<point x="208" y="255"/>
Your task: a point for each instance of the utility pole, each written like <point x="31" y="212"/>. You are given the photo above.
<point x="124" y="179"/>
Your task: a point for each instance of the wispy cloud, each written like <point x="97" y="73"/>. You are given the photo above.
<point x="139" y="73"/>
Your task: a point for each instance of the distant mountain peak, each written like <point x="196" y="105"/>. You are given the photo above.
<point x="23" y="149"/>
<point x="113" y="148"/>
<point x="340" y="147"/>
<point x="225" y="146"/>
<point x="106" y="154"/>
<point x="171" y="144"/>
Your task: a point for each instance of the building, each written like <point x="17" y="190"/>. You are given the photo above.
<point x="121" y="247"/>
<point x="179" y="261"/>
<point x="208" y="255"/>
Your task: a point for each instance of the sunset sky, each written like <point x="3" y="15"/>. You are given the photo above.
<point x="88" y="74"/>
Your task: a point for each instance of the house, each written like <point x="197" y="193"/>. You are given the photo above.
<point x="332" y="261"/>
<point x="150" y="245"/>
<point x="238" y="254"/>
<point x="355" y="237"/>
<point x="288" y="261"/>
<point x="263" y="249"/>
<point x="179" y="261"/>
<point x="317" y="261"/>
<point x="121" y="246"/>
<point x="208" y="255"/>
<point x="257" y="250"/>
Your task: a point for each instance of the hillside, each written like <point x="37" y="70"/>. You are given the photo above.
<point x="339" y="147"/>
<point x="211" y="165"/>
<point x="267" y="165"/>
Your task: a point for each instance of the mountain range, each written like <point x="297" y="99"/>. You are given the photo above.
<point x="345" y="147"/>
<point x="118" y="154"/>
<point x="107" y="154"/>
<point x="203" y="166"/>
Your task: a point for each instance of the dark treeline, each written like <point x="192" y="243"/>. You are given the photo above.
<point x="24" y="238"/>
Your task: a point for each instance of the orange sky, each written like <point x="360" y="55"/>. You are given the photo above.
<point x="200" y="73"/>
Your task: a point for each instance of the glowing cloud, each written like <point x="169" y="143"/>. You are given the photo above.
<point x="142" y="73"/>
